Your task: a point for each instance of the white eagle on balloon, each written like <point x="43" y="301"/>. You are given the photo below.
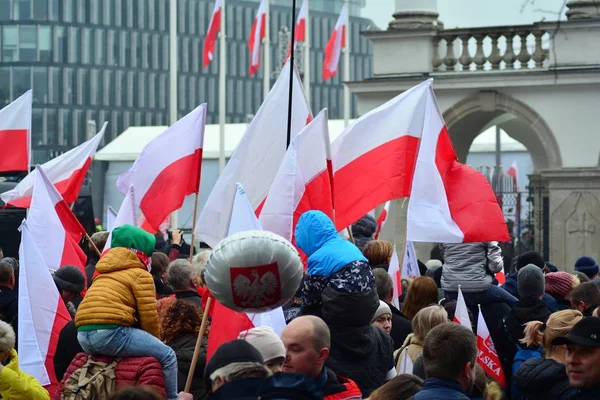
<point x="257" y="292"/>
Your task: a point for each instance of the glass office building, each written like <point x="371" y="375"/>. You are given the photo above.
<point x="107" y="60"/>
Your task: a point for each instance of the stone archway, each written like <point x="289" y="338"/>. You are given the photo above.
<point x="467" y="119"/>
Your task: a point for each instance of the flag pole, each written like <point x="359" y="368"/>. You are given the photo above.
<point x="267" y="55"/>
<point x="194" y="225"/>
<point x="222" y="89"/>
<point x="307" y="53"/>
<point x="173" y="78"/>
<point x="188" y="383"/>
<point x="289" y="121"/>
<point x="347" y="67"/>
<point x="404" y="236"/>
<point x="92" y="245"/>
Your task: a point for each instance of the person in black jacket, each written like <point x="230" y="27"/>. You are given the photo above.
<point x="179" y="330"/>
<point x="401" y="326"/>
<point x="9" y="298"/>
<point x="66" y="349"/>
<point x="160" y="263"/>
<point x="546" y="378"/>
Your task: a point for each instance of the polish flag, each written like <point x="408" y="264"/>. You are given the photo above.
<point x="256" y="35"/>
<point x="226" y="323"/>
<point x="168" y="169"/>
<point x="300" y="28"/>
<point x="461" y="313"/>
<point x="15" y="134"/>
<point x="394" y="272"/>
<point x="211" y="35"/>
<point x="487" y="357"/>
<point x="42" y="313"/>
<point x="383" y="217"/>
<point x="142" y="222"/>
<point x="410" y="266"/>
<point x="513" y="172"/>
<point x="405" y="145"/>
<point x="53" y="226"/>
<point x="336" y="42"/>
<point x="303" y="182"/>
<point x="257" y="158"/>
<point x="66" y="172"/>
<point x="126" y="215"/>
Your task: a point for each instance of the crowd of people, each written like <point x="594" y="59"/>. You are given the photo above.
<point x="137" y="314"/>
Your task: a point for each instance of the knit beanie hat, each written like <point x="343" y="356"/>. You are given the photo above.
<point x="69" y="278"/>
<point x="531" y="257"/>
<point x="266" y="341"/>
<point x="559" y="284"/>
<point x="530" y="281"/>
<point x="132" y="237"/>
<point x="383" y="309"/>
<point x="587" y="265"/>
<point x="236" y="351"/>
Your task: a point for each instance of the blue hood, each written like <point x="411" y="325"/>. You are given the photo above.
<point x="327" y="252"/>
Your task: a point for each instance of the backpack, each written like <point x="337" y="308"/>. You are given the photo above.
<point x="95" y="380"/>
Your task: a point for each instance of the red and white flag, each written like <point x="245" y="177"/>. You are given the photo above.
<point x="257" y="34"/>
<point x="42" y="314"/>
<point x="410" y="266"/>
<point x="257" y="158"/>
<point x="299" y="28"/>
<point x="461" y="312"/>
<point x="513" y="172"/>
<point x="336" y="42"/>
<point x="382" y="219"/>
<point x="53" y="226"/>
<point x="214" y="28"/>
<point x="303" y="182"/>
<point x="125" y="216"/>
<point x="66" y="172"/>
<point x="487" y="357"/>
<point x="405" y="144"/>
<point x="15" y="134"/>
<point x="394" y="272"/>
<point x="226" y="323"/>
<point x="168" y="169"/>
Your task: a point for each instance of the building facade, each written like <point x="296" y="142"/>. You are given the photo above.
<point x="107" y="60"/>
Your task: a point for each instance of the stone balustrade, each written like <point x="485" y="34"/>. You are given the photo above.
<point x="490" y="48"/>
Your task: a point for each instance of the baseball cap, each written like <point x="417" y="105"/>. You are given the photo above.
<point x="585" y="333"/>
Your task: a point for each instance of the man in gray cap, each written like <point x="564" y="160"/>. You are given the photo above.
<point x="70" y="283"/>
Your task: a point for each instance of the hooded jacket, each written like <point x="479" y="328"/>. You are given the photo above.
<point x="471" y="265"/>
<point x="541" y="379"/>
<point x="122" y="294"/>
<point x="17" y="385"/>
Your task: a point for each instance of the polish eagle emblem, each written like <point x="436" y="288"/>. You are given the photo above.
<point x="256" y="287"/>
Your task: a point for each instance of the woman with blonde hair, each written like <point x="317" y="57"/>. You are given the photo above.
<point x="425" y="320"/>
<point x="422" y="292"/>
<point x="546" y="378"/>
<point x="379" y="253"/>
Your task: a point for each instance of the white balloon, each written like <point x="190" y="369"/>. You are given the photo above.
<point x="253" y="271"/>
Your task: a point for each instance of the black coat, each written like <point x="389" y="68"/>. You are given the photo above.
<point x="9" y="302"/>
<point x="66" y="349"/>
<point x="184" y="350"/>
<point x="540" y="379"/>
<point x="190" y="296"/>
<point x="401" y="327"/>
<point x="90" y="268"/>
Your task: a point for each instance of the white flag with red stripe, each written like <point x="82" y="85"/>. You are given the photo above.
<point x="66" y="172"/>
<point x="382" y="219"/>
<point x="299" y="28"/>
<point x="336" y="42"/>
<point x="394" y="272"/>
<point x="257" y="158"/>
<point x="461" y="312"/>
<point x="257" y="33"/>
<point x="410" y="266"/>
<point x="125" y="216"/>
<point x="214" y="28"/>
<point x="15" y="134"/>
<point x="303" y="182"/>
<point x="42" y="313"/>
<point x="405" y="144"/>
<point x="487" y="357"/>
<point x="53" y="226"/>
<point x="168" y="169"/>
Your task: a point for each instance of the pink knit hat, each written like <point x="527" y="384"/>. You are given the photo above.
<point x="559" y="284"/>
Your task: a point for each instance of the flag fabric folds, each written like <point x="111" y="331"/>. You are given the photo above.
<point x="487" y="357"/>
<point x="382" y="219"/>
<point x="299" y="28"/>
<point x="461" y="313"/>
<point x="15" y="134"/>
<point x="394" y="272"/>
<point x="257" y="33"/>
<point x="214" y="28"/>
<point x="336" y="42"/>
<point x="125" y="216"/>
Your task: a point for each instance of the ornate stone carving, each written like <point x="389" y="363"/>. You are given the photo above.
<point x="583" y="9"/>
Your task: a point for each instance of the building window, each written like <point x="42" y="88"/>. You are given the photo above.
<point x="141" y="14"/>
<point x="112" y="47"/>
<point x="141" y="93"/>
<point x="68" y="9"/>
<point x="4" y="10"/>
<point x="40" y="10"/>
<point x="152" y="90"/>
<point x="37" y="125"/>
<point x="151" y="14"/>
<point x="52" y="126"/>
<point x="136" y="51"/>
<point x="40" y="85"/>
<point x="74" y="45"/>
<point x="87" y="46"/>
<point x="27" y="43"/>
<point x="45" y="43"/>
<point x="96" y="84"/>
<point x="56" y="84"/>
<point x="55" y="11"/>
<point x="60" y="44"/>
<point x="4" y="86"/>
<point x="21" y="80"/>
<point x="100" y="50"/>
<point x="22" y="9"/>
<point x="9" y="43"/>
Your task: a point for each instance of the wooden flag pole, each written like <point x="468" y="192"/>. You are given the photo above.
<point x="188" y="383"/>
<point x="92" y="245"/>
<point x="194" y="226"/>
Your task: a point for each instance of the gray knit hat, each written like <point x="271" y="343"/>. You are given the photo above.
<point x="531" y="281"/>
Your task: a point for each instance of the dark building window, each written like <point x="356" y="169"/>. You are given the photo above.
<point x="4" y="86"/>
<point x="22" y="10"/>
<point x="21" y="80"/>
<point x="45" y="43"/>
<point x="40" y="10"/>
<point x="40" y="84"/>
<point x="4" y="10"/>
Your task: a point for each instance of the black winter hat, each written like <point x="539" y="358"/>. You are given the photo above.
<point x="69" y="278"/>
<point x="531" y="257"/>
<point x="364" y="227"/>
<point x="236" y="351"/>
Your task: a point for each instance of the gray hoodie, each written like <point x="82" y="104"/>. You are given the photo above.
<point x="470" y="265"/>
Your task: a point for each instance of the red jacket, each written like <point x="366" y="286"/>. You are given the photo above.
<point x="129" y="371"/>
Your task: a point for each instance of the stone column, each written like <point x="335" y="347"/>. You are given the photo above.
<point x="580" y="9"/>
<point x="415" y="14"/>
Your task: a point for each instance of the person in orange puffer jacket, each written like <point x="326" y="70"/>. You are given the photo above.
<point x="121" y="301"/>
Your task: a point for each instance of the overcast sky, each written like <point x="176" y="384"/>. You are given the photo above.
<point x="486" y="12"/>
